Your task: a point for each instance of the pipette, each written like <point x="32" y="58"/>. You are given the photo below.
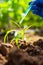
<point x="27" y="11"/>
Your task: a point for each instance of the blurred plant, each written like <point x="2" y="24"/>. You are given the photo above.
<point x="14" y="9"/>
<point x="17" y="35"/>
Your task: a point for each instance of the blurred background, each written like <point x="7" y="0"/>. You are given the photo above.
<point x="11" y="12"/>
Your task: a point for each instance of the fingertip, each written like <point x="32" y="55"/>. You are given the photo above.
<point x="30" y="2"/>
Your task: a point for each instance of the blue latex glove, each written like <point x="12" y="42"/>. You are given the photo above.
<point x="37" y="7"/>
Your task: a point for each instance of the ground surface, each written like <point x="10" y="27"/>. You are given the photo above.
<point x="29" y="52"/>
<point x="31" y="37"/>
<point x="24" y="54"/>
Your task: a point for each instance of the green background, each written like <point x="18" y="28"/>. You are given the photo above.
<point x="11" y="12"/>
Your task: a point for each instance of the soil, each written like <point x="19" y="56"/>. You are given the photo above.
<point x="24" y="54"/>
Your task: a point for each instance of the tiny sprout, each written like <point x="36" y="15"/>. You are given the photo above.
<point x="18" y="35"/>
<point x="7" y="35"/>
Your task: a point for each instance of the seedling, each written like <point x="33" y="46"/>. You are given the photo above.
<point x="18" y="35"/>
<point x="5" y="37"/>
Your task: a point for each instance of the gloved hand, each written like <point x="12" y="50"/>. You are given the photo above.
<point x="37" y="7"/>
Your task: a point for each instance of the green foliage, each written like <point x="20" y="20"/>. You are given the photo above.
<point x="5" y="37"/>
<point x="11" y="11"/>
<point x="18" y="35"/>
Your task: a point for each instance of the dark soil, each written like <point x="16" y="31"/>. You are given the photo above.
<point x="26" y="54"/>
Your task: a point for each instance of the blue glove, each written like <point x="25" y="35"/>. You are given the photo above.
<point x="37" y="7"/>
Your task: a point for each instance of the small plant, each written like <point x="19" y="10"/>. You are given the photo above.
<point x="5" y="37"/>
<point x="18" y="35"/>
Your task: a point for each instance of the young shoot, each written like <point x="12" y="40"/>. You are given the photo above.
<point x="17" y="35"/>
<point x="20" y="35"/>
<point x="5" y="37"/>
